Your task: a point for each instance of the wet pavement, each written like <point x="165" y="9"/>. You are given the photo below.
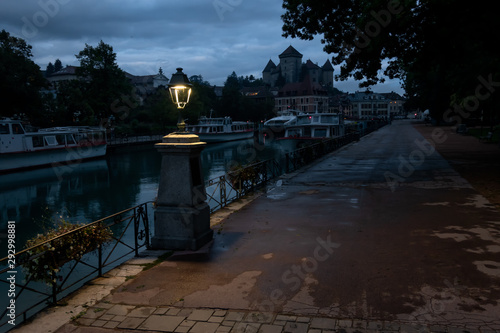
<point x="382" y="235"/>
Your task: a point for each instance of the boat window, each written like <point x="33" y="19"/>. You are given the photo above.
<point x="60" y="138"/>
<point x="50" y="140"/>
<point x="294" y="132"/>
<point x="4" y="129"/>
<point x="320" y="133"/>
<point x="315" y="119"/>
<point x="37" y="141"/>
<point x="70" y="140"/>
<point x="327" y="119"/>
<point x="304" y="120"/>
<point x="17" y="129"/>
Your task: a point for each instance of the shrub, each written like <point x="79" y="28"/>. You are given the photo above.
<point x="49" y="252"/>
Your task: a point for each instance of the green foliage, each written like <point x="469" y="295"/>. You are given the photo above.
<point x="49" y="252"/>
<point x="103" y="82"/>
<point x="438" y="48"/>
<point x="21" y="79"/>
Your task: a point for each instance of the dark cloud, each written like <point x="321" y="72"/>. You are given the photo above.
<point x="207" y="37"/>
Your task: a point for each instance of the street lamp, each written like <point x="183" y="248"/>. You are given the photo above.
<point x="180" y="92"/>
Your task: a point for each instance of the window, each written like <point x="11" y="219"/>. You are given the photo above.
<point x="50" y="140"/>
<point x="320" y="133"/>
<point x="17" y="129"/>
<point x="4" y="129"/>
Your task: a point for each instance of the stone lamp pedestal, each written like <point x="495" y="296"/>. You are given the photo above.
<point x="182" y="216"/>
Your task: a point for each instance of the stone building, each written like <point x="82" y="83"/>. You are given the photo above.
<point x="368" y="104"/>
<point x="291" y="69"/>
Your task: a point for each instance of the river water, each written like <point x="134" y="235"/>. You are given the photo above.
<point x="88" y="191"/>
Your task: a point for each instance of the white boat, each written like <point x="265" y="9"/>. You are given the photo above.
<point x="309" y="128"/>
<point x="20" y="149"/>
<point x="224" y="129"/>
<point x="277" y="124"/>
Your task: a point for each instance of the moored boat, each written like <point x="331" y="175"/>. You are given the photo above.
<point x="212" y="130"/>
<point x="20" y="149"/>
<point x="309" y="128"/>
<point x="277" y="124"/>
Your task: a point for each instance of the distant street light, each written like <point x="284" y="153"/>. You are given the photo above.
<point x="180" y="91"/>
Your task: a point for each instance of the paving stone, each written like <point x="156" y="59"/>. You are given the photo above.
<point x="120" y="310"/>
<point x="183" y="312"/>
<point x="295" y="328"/>
<point x="220" y="313"/>
<point x="99" y="323"/>
<point x="361" y="324"/>
<point x="286" y="318"/>
<point x="131" y="323"/>
<point x="187" y="323"/>
<point x="314" y="330"/>
<point x="142" y="312"/>
<point x="223" y="329"/>
<point x="215" y="319"/>
<point x="103" y="305"/>
<point x="161" y="311"/>
<point x="174" y="312"/>
<point x="93" y="313"/>
<point x="235" y="316"/>
<point x="182" y="329"/>
<point x="228" y="323"/>
<point x="200" y="327"/>
<point x="323" y="323"/>
<point x="119" y="318"/>
<point x="389" y="326"/>
<point x="85" y="321"/>
<point x="111" y="324"/>
<point x="200" y="315"/>
<point x="245" y="328"/>
<point x="107" y="317"/>
<point x="303" y="319"/>
<point x="344" y="323"/>
<point x="375" y="325"/>
<point x="259" y="317"/>
<point x="162" y="323"/>
<point x="271" y="329"/>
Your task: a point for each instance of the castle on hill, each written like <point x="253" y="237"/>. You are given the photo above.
<point x="290" y="69"/>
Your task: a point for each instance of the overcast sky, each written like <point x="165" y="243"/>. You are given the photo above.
<point x="211" y="38"/>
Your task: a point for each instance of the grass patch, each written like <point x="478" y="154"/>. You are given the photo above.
<point x="478" y="133"/>
<point x="159" y="260"/>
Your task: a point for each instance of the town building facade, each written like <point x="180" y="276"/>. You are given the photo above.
<point x="369" y="104"/>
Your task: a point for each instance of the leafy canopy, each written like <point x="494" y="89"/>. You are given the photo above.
<point x="438" y="48"/>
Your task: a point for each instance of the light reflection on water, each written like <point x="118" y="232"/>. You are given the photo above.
<point x="87" y="191"/>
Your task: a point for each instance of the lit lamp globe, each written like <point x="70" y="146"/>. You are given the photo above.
<point x="180" y="92"/>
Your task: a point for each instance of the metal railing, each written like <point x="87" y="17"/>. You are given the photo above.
<point x="235" y="184"/>
<point x="130" y="232"/>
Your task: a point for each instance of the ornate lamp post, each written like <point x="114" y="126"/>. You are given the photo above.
<point x="180" y="92"/>
<point x="182" y="216"/>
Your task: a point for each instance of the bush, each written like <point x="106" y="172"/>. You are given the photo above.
<point x="47" y="255"/>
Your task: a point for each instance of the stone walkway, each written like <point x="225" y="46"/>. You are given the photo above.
<point x="421" y="256"/>
<point x="172" y="319"/>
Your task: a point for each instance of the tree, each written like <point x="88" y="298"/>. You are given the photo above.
<point x="104" y="83"/>
<point x="57" y="65"/>
<point x="21" y="79"/>
<point x="49" y="70"/>
<point x="423" y="43"/>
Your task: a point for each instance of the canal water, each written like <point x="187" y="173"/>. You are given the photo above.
<point x="87" y="191"/>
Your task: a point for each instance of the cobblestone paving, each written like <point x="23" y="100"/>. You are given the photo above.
<point x="170" y="319"/>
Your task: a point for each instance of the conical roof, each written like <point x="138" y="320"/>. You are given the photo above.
<point x="269" y="67"/>
<point x="291" y="52"/>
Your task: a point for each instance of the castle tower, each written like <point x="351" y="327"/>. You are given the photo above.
<point x="327" y="74"/>
<point x="267" y="73"/>
<point x="290" y="63"/>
